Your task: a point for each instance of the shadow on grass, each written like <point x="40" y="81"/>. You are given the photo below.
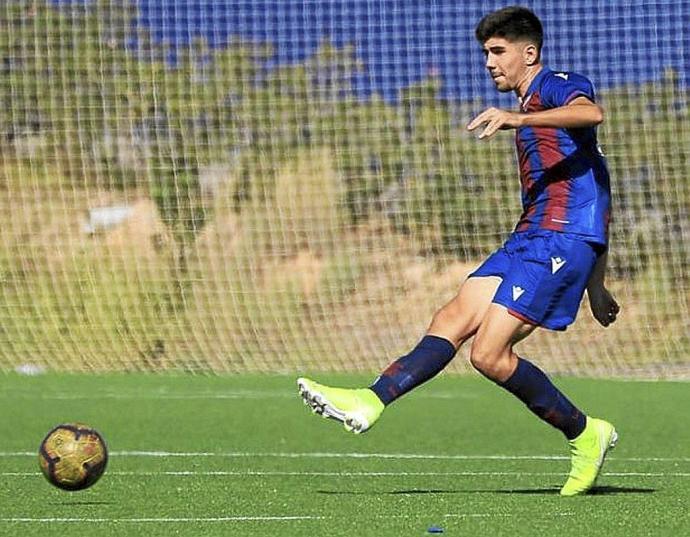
<point x="621" y="490"/>
<point x="554" y="491"/>
<point x="594" y="492"/>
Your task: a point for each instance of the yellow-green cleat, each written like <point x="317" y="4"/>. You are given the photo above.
<point x="587" y="454"/>
<point x="357" y="409"/>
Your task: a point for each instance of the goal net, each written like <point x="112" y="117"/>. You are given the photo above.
<point x="230" y="186"/>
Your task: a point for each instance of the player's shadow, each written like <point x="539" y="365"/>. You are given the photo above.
<point x="621" y="490"/>
<point x="604" y="490"/>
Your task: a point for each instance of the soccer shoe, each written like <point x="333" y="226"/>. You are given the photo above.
<point x="587" y="453"/>
<point x="357" y="410"/>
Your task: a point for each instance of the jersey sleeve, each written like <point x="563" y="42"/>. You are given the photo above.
<point x="562" y="88"/>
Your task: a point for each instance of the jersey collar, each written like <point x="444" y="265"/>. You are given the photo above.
<point x="534" y="85"/>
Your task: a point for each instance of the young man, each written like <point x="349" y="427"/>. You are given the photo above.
<point x="538" y="277"/>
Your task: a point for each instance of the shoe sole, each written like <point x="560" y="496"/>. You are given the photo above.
<point x="320" y="405"/>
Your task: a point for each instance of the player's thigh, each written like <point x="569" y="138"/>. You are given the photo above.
<point x="460" y="318"/>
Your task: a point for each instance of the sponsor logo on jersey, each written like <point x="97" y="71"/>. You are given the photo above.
<point x="517" y="292"/>
<point x="556" y="264"/>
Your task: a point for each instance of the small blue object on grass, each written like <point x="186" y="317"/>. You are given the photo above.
<point x="435" y="529"/>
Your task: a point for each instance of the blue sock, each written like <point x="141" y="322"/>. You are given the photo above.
<point x="529" y="384"/>
<point x="427" y="359"/>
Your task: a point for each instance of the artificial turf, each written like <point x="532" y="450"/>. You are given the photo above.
<point x="241" y="455"/>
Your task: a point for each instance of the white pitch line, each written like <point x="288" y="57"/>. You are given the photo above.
<point x="269" y="473"/>
<point x="327" y="455"/>
<point x="268" y="518"/>
<point x="231" y="394"/>
<point x="352" y="455"/>
<point x="150" y="396"/>
<point x="393" y="456"/>
<point x="168" y="520"/>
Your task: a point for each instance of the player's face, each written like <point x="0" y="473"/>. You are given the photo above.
<point x="507" y="62"/>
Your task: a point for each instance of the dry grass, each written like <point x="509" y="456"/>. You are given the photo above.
<point x="284" y="284"/>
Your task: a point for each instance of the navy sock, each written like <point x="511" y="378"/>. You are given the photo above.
<point x="529" y="384"/>
<point x="427" y="359"/>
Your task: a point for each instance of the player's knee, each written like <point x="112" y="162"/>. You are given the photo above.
<point x="485" y="358"/>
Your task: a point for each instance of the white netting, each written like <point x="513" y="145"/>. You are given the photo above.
<point x="225" y="185"/>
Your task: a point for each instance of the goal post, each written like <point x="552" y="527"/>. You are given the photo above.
<point x="287" y="187"/>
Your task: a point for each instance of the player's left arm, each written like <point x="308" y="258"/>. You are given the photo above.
<point x="579" y="113"/>
<point x="604" y="307"/>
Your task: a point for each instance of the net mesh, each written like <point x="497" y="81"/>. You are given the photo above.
<point x="228" y="186"/>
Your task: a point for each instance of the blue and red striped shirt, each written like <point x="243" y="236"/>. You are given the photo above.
<point x="565" y="182"/>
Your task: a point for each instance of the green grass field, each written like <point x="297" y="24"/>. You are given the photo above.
<point x="241" y="455"/>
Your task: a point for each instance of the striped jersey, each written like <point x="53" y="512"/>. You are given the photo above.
<point x="563" y="174"/>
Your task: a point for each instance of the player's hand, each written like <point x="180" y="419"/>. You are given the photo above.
<point x="495" y="119"/>
<point x="604" y="307"/>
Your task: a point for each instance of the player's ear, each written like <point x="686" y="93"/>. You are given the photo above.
<point x="530" y="54"/>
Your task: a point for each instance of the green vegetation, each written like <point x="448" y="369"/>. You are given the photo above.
<point x="275" y="205"/>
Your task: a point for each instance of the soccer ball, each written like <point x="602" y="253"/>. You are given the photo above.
<point x="73" y="456"/>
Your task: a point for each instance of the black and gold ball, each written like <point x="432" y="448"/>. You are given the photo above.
<point x="73" y="456"/>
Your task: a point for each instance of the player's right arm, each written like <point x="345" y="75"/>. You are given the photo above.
<point x="579" y="113"/>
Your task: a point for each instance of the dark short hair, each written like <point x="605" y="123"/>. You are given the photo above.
<point x="513" y="23"/>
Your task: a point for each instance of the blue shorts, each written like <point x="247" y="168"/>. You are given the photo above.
<point x="544" y="274"/>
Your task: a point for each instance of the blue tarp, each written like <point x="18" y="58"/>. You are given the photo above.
<point x="613" y="42"/>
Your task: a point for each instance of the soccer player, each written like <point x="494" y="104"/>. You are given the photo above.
<point x="539" y="276"/>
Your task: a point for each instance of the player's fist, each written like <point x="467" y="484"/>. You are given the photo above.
<point x="604" y="307"/>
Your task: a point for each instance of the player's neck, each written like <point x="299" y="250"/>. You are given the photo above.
<point x="530" y="72"/>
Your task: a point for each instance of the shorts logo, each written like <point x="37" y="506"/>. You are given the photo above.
<point x="556" y="264"/>
<point x="517" y="292"/>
